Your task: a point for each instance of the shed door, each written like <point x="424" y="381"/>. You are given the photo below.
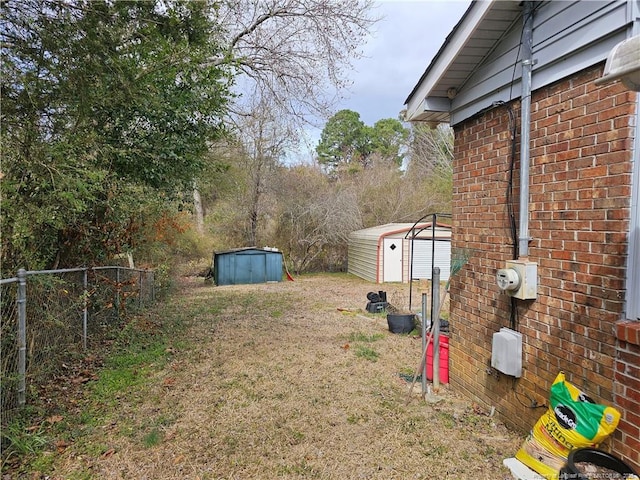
<point x="251" y="268"/>
<point x="392" y="260"/>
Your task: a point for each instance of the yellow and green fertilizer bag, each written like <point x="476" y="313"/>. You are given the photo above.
<point x="573" y="420"/>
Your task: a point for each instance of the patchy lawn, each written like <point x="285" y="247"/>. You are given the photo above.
<point x="284" y="380"/>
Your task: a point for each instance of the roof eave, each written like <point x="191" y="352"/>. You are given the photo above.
<point x="420" y="106"/>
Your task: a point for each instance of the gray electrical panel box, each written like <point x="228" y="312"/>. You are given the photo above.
<point x="506" y="352"/>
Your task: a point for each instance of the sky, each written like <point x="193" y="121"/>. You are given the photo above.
<point x="400" y="48"/>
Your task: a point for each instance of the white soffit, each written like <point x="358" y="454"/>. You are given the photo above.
<point x="472" y="39"/>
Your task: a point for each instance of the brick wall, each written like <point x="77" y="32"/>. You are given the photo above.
<point x="627" y="391"/>
<point x="580" y="190"/>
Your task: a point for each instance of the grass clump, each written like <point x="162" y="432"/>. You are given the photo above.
<point x="21" y="440"/>
<point x="365" y="338"/>
<point x="367" y="353"/>
<point x="151" y="439"/>
<point x="362" y="348"/>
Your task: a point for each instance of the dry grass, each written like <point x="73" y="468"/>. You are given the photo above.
<point x="273" y="381"/>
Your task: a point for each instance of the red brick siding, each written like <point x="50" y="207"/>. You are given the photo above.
<point x="580" y="190"/>
<point x="627" y="391"/>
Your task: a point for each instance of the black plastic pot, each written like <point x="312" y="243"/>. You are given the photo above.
<point x="595" y="457"/>
<point x="401" y="322"/>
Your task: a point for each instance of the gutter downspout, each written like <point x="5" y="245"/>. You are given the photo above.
<point x="525" y="127"/>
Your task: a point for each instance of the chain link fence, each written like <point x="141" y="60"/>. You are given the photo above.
<point x="50" y="318"/>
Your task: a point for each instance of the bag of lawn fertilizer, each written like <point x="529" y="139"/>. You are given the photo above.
<point x="572" y="421"/>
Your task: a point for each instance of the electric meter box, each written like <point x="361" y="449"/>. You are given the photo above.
<point x="508" y="280"/>
<point x="519" y="279"/>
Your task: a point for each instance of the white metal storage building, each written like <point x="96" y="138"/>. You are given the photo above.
<point x="384" y="253"/>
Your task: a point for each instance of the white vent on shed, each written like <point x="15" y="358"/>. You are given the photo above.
<point x="506" y="352"/>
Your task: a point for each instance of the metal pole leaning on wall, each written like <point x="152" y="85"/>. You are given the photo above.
<point x="21" y="301"/>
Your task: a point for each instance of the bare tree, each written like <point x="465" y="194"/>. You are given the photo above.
<point x="315" y="218"/>
<point x="295" y="52"/>
<point x="265" y="139"/>
<point x="292" y="56"/>
<point x="431" y="150"/>
<point x="198" y="209"/>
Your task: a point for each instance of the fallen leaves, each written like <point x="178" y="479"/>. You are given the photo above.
<point x="61" y="445"/>
<point x="83" y="378"/>
<point x="108" y="453"/>
<point x="54" y="419"/>
<point x="169" y="382"/>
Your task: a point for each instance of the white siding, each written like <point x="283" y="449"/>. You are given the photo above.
<point x="362" y="256"/>
<point x="568" y="36"/>
<point x="422" y="259"/>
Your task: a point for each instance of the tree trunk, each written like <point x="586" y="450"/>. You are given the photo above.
<point x="198" y="211"/>
<point x="254" y="210"/>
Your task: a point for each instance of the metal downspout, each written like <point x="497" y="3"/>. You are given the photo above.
<point x="525" y="127"/>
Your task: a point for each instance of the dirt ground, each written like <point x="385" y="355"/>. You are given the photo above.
<point x="293" y="380"/>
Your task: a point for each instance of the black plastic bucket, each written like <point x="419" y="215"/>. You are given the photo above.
<point x="598" y="458"/>
<point x="401" y="322"/>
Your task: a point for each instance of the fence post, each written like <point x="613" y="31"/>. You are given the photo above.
<point x="140" y="288"/>
<point x="85" y="309"/>
<point x="117" y="293"/>
<point x="21" y="300"/>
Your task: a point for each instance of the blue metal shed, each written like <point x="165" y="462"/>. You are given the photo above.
<point x="247" y="265"/>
